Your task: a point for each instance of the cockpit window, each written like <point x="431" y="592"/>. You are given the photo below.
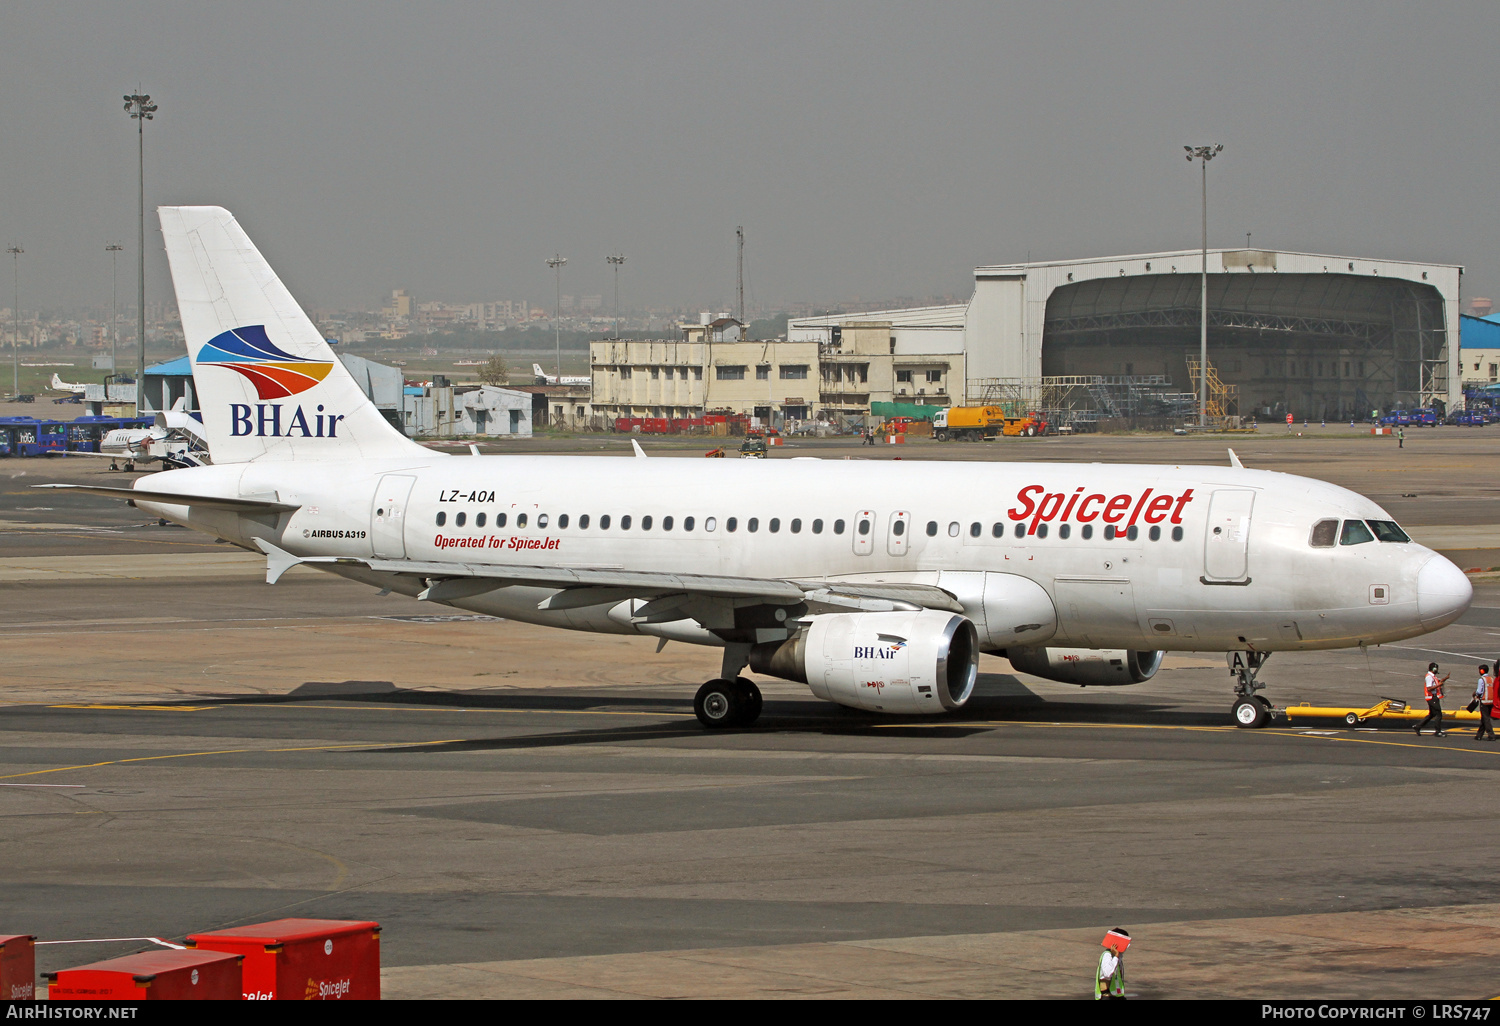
<point x="1355" y="533"/>
<point x="1325" y="534"/>
<point x="1388" y="531"/>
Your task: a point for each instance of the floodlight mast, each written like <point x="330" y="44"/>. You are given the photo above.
<point x="1204" y="154"/>
<point x="617" y="261"/>
<point x="556" y="263"/>
<point x="15" y="321"/>
<point x="114" y="249"/>
<point x="141" y="110"/>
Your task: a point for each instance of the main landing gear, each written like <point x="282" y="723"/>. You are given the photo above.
<point x="1250" y="710"/>
<point x="729" y="700"/>
<point x="728" y="703"/>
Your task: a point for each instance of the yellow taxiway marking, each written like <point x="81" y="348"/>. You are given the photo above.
<point x="364" y="707"/>
<point x="223" y="751"/>
<point x="154" y="708"/>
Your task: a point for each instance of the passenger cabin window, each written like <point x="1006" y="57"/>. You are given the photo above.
<point x="500" y="520"/>
<point x="864" y="525"/>
<point x="666" y="523"/>
<point x="1154" y="534"/>
<point x="1355" y="533"/>
<point x="604" y="522"/>
<point x="898" y="528"/>
<point x="998" y="530"/>
<point x="976" y="529"/>
<point x="645" y="523"/>
<point x="625" y="522"/>
<point x="753" y="524"/>
<point x="817" y="527"/>
<point x="1325" y="534"/>
<point x="709" y="523"/>
<point x="796" y="525"/>
<point x="775" y="524"/>
<point x="838" y="527"/>
<point x="932" y="528"/>
<point x="520" y="519"/>
<point x="541" y="520"/>
<point x="479" y="520"/>
<point x="953" y="529"/>
<point x="583" y="521"/>
<point x="1387" y="531"/>
<point x="687" y="524"/>
<point x="458" y="521"/>
<point x="1176" y="533"/>
<point x="732" y="524"/>
<point x="1020" y="530"/>
<point x="1088" y="531"/>
<point x="442" y="518"/>
<point x="562" y="520"/>
<point x="1064" y="530"/>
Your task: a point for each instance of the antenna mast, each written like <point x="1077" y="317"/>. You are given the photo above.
<point x="739" y="234"/>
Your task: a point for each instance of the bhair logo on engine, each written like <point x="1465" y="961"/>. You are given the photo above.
<point x="276" y="374"/>
<point x="886" y="651"/>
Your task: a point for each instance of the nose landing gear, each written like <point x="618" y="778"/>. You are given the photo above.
<point x="1250" y="710"/>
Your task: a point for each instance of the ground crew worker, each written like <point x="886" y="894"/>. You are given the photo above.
<point x="1109" y="979"/>
<point x="1485" y="692"/>
<point x="1400" y="437"/>
<point x="1432" y="690"/>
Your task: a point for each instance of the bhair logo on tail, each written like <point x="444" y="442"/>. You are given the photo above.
<point x="275" y="374"/>
<point x="268" y="384"/>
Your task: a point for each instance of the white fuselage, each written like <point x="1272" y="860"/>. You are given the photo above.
<point x="1203" y="558"/>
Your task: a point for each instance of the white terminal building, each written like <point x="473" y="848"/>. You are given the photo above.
<point x="1300" y="333"/>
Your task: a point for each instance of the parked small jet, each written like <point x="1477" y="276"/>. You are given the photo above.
<point x="543" y="378"/>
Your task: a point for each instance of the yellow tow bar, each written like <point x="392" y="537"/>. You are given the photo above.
<point x="1385" y="709"/>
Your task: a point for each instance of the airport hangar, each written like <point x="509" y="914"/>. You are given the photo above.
<point x="1312" y="335"/>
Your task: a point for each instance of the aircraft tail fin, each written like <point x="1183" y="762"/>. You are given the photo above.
<point x="536" y="369"/>
<point x="57" y="384"/>
<point x="269" y="386"/>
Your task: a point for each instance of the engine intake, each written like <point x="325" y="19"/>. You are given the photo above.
<point x="918" y="662"/>
<point x="1097" y="667"/>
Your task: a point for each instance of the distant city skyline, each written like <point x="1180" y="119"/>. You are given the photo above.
<point x="868" y="150"/>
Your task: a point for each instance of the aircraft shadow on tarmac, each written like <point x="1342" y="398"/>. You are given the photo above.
<point x="997" y="697"/>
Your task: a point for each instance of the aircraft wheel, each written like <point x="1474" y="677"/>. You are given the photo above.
<point x="1352" y="719"/>
<point x="130" y="466"/>
<point x="718" y="704"/>
<point x="750" y="699"/>
<point x="1250" y="714"/>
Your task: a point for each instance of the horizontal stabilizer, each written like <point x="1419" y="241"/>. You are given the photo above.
<point x="176" y="499"/>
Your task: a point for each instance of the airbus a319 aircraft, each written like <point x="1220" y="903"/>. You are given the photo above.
<point x="878" y="584"/>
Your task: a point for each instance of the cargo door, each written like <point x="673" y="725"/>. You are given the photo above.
<point x="1226" y="546"/>
<point x="864" y="532"/>
<point x="896" y="533"/>
<point x="388" y="516"/>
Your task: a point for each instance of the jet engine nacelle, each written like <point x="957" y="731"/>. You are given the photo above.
<point x="1086" y="666"/>
<point x="916" y="662"/>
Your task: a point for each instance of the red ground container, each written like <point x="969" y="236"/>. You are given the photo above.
<point x="151" y="976"/>
<point x="303" y="959"/>
<point x="17" y="968"/>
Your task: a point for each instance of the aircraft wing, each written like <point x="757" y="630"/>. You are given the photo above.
<point x="592" y="586"/>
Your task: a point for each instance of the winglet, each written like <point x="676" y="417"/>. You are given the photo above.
<point x="639" y="452"/>
<point x="279" y="560"/>
<point x="1234" y="461"/>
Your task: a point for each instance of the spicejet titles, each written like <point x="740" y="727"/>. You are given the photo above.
<point x="496" y="542"/>
<point x="1042" y="506"/>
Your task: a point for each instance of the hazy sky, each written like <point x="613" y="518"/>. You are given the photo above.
<point x="869" y="149"/>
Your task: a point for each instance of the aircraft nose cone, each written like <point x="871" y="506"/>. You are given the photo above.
<point x="1443" y="593"/>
